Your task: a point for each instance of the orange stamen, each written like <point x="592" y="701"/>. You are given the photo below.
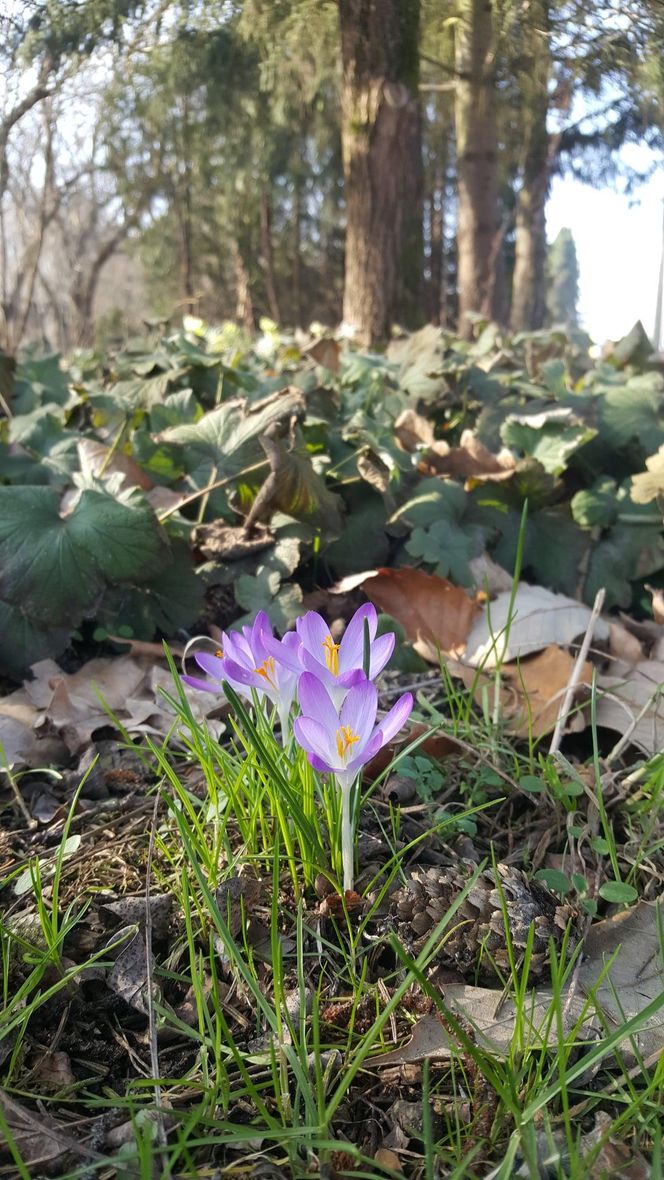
<point x="345" y="740"/>
<point x="266" y="670"/>
<point x="219" y="653"/>
<point x="331" y="655"/>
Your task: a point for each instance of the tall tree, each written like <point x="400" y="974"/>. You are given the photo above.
<point x="537" y="155"/>
<point x="478" y="235"/>
<point x="381" y="144"/>
<point x="563" y="281"/>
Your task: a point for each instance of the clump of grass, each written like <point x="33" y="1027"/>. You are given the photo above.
<point x="291" y="998"/>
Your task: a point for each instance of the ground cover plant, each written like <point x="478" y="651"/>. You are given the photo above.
<point x="290" y="897"/>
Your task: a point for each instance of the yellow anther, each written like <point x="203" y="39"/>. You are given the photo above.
<point x="345" y="739"/>
<point x="219" y="653"/>
<point x="266" y="670"/>
<point x="331" y="655"/>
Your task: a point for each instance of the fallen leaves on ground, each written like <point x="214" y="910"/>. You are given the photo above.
<point x="539" y="618"/>
<point x="631" y="697"/>
<point x="435" y="614"/>
<point x="628" y="944"/>
<point x="531" y="691"/>
<point x="56" y="713"/>
<point x="471" y="460"/>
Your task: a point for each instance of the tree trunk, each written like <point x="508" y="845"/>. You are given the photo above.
<point x="477" y="162"/>
<point x="83" y="295"/>
<point x="381" y="146"/>
<point x="529" y="281"/>
<point x="267" y="257"/>
<point x="435" y="204"/>
<point x="244" y="308"/>
<point x="297" y="251"/>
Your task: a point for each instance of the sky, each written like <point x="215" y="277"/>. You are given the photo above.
<point x="618" y="243"/>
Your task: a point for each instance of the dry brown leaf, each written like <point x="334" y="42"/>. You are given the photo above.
<point x="223" y="542"/>
<point x="54" y="1071"/>
<point x="386" y="1158"/>
<point x="539" y="618"/>
<point x="623" y="645"/>
<point x="413" y="430"/>
<point x="435" y="615"/>
<point x="636" y="975"/>
<point x="21" y="744"/>
<point x="37" y="1137"/>
<point x="488" y="576"/>
<point x="470" y="460"/>
<point x="531" y="691"/>
<point x="491" y="1017"/>
<point x="97" y="459"/>
<point x="166" y="500"/>
<point x="324" y="352"/>
<point x="128" y="976"/>
<point x="623" y="697"/>
<point x="657" y="595"/>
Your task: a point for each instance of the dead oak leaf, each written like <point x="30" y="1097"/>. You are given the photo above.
<point x="531" y="690"/>
<point x="436" y="615"/>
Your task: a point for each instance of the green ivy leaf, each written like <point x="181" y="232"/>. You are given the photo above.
<point x="167" y="602"/>
<point x="363" y="543"/>
<point x="550" y="437"/>
<point x="23" y="641"/>
<point x="618" y="892"/>
<point x="629" y="551"/>
<point x="597" y="506"/>
<point x="634" y="411"/>
<point x="449" y="547"/>
<point x="226" y="438"/>
<point x="54" y="567"/>
<point x="554" y="879"/>
<point x="39" y="380"/>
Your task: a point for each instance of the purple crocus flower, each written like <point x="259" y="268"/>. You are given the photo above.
<point x="340" y="743"/>
<point x="246" y="662"/>
<point x="339" y="666"/>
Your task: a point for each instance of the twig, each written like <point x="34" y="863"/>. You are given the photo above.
<point x="218" y="483"/>
<point x="634" y="721"/>
<point x="576" y="672"/>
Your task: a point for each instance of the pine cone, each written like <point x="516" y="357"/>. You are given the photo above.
<point x="475" y="938"/>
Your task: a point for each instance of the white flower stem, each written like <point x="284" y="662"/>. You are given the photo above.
<point x="347" y="843"/>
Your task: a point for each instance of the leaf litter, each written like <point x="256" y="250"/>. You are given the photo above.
<point x="445" y="623"/>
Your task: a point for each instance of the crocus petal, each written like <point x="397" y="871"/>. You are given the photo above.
<point x="319" y="764"/>
<point x="396" y="718"/>
<point x="286" y="650"/>
<point x="372" y="747"/>
<point x="355" y="676"/>
<point x="315" y="702"/>
<point x="213" y="665"/>
<point x="313" y="631"/>
<point x="351" y="648"/>
<point x="359" y="711"/>
<point x="315" y="666"/>
<point x="381" y="650"/>
<point x="315" y="739"/>
<point x="261" y="624"/>
<point x="235" y="671"/>
<point x="202" y="685"/>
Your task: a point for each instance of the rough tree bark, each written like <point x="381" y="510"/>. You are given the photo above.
<point x="529" y="281"/>
<point x="244" y="307"/>
<point x="267" y="257"/>
<point x="85" y="289"/>
<point x="478" y="233"/>
<point x="381" y="145"/>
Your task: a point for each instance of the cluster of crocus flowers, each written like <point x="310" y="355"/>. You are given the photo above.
<point x="337" y="726"/>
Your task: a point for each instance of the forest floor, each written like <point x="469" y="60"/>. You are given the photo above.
<point x="186" y="995"/>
